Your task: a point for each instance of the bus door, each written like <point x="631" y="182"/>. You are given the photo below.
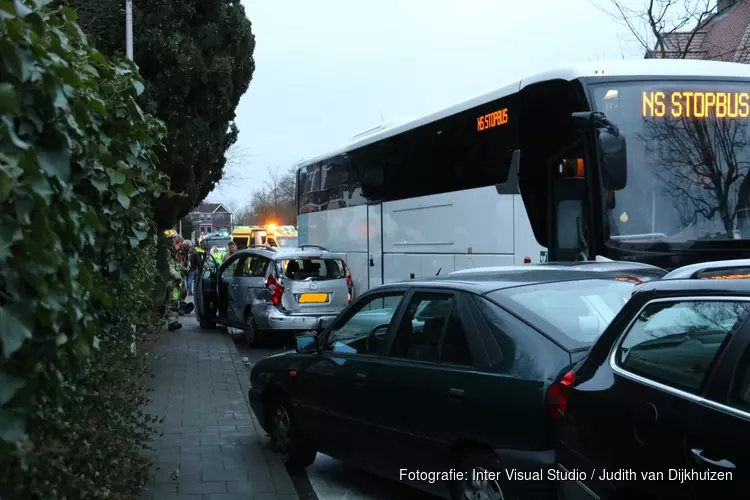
<point x="375" y="244"/>
<point x="570" y="206"/>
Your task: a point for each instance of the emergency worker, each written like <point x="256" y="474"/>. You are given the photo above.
<point x="173" y="287"/>
<point x="231" y="248"/>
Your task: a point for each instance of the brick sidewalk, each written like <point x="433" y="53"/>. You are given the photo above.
<point x="212" y="447"/>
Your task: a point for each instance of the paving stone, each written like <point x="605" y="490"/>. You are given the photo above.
<point x="208" y="432"/>
<point x="226" y="496"/>
<point x="203" y="487"/>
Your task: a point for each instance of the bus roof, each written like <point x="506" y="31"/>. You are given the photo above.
<point x="625" y="68"/>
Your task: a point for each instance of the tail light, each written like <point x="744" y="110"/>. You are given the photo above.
<point x="348" y="275"/>
<point x="558" y="394"/>
<point x="276" y="289"/>
<point x="349" y="282"/>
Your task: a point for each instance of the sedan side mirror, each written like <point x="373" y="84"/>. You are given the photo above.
<point x="306" y="344"/>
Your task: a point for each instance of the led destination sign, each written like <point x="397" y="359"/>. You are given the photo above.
<point x="492" y="120"/>
<point x="691" y="104"/>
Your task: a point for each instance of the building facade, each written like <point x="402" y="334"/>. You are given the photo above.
<point x="211" y="218"/>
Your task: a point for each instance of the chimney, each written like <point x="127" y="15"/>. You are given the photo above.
<point x="723" y="5"/>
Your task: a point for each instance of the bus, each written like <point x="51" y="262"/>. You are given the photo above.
<point x="641" y="160"/>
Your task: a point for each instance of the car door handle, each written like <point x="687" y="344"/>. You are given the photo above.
<point x="360" y="378"/>
<point x="723" y="463"/>
<point x="456" y="394"/>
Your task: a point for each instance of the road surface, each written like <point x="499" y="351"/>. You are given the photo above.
<point x="331" y="479"/>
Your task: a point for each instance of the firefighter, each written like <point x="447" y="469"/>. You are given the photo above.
<point x="174" y="285"/>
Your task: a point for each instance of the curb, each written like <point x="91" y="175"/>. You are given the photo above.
<point x="282" y="480"/>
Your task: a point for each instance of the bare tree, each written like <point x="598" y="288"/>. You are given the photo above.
<point x="703" y="169"/>
<point x="239" y="159"/>
<point x="655" y="23"/>
<point x="239" y="211"/>
<point x="276" y="200"/>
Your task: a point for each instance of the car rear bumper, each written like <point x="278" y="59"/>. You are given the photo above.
<point x="270" y="318"/>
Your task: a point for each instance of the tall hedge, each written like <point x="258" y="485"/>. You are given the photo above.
<point x="77" y="260"/>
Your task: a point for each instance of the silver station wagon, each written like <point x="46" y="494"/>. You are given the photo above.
<point x="272" y="292"/>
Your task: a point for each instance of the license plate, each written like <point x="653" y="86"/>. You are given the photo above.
<point x="313" y="298"/>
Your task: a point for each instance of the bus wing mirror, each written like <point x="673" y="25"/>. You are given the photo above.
<point x="612" y="147"/>
<point x="614" y="160"/>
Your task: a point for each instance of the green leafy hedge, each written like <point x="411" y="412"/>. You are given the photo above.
<point x="77" y="260"/>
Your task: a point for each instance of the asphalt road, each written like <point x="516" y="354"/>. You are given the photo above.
<point x="331" y="479"/>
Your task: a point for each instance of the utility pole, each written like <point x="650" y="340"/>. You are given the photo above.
<point x="129" y="29"/>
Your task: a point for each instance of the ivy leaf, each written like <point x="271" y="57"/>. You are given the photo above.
<point x="100" y="185"/>
<point x="139" y="87"/>
<point x="69" y="13"/>
<point x="123" y="199"/>
<point x="13" y="333"/>
<point x="98" y="106"/>
<point x="116" y="177"/>
<point x="55" y="163"/>
<point x="10" y="128"/>
<point x="9" y="386"/>
<point x="9" y="100"/>
<point x="12" y="426"/>
<point x="6" y="185"/>
<point x="81" y="347"/>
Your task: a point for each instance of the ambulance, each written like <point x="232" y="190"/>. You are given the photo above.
<point x="281" y="236"/>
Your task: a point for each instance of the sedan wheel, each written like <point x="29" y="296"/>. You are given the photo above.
<point x="481" y="489"/>
<point x="251" y="330"/>
<point x="294" y="452"/>
<point x="478" y="482"/>
<point x="282" y="428"/>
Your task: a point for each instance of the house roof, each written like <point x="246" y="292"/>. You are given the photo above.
<point x="724" y="37"/>
<point x="210" y="208"/>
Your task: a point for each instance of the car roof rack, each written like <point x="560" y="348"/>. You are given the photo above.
<point x="722" y="269"/>
<point x="318" y="247"/>
<point x="266" y="247"/>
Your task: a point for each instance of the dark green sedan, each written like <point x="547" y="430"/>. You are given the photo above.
<point x="448" y="383"/>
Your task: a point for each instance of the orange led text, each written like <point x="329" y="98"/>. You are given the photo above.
<point x="728" y="277"/>
<point x="492" y="120"/>
<point x="696" y="104"/>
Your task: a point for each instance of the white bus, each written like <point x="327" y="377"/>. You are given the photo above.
<point x="629" y="160"/>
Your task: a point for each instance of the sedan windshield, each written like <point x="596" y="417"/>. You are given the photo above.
<point x="688" y="146"/>
<point x="580" y="310"/>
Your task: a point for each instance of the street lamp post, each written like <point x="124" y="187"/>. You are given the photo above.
<point x="129" y="29"/>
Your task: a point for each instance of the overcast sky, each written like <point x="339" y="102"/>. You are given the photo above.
<point x="328" y="69"/>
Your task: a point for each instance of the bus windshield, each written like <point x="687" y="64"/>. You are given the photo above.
<point x="688" y="159"/>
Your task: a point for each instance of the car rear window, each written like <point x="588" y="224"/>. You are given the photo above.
<point x="313" y="269"/>
<point x="577" y="310"/>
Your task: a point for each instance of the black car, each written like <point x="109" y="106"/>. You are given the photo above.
<point x="454" y="373"/>
<point x="660" y="408"/>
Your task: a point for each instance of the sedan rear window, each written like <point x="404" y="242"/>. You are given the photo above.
<point x="313" y="269"/>
<point x="579" y="310"/>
